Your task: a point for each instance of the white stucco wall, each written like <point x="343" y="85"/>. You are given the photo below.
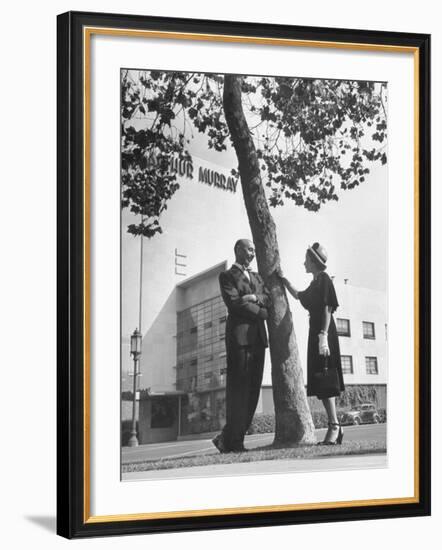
<point x="358" y="305"/>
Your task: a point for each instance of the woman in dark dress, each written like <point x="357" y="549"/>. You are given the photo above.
<point x="324" y="370"/>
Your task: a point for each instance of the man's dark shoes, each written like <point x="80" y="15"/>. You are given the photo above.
<point x="240" y="450"/>
<point x="219" y="443"/>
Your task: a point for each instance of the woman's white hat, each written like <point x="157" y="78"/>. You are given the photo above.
<point x="319" y="253"/>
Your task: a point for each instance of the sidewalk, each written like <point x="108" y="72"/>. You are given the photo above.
<point x="353" y="462"/>
<point x="197" y="437"/>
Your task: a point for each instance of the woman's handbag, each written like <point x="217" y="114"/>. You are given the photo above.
<point x="327" y="379"/>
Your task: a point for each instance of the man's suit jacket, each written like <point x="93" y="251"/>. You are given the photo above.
<point x="245" y="321"/>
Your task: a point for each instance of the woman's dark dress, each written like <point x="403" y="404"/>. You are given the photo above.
<point x="319" y="294"/>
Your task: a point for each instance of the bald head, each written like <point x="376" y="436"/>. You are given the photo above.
<point x="244" y="251"/>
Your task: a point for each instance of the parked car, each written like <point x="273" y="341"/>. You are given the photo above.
<point x="366" y="413"/>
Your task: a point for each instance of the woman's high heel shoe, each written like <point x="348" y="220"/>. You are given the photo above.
<point x="339" y="438"/>
<point x="325" y="442"/>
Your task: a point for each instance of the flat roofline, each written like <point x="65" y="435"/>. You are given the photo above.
<point x="214" y="270"/>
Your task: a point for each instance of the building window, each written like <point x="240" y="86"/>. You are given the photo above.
<point x="371" y="365"/>
<point x="368" y="330"/>
<point x="200" y="344"/>
<point x="347" y="364"/>
<point x="343" y="327"/>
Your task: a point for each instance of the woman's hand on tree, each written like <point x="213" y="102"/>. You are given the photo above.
<point x="288" y="285"/>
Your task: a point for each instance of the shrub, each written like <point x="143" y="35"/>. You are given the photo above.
<point x="262" y="424"/>
<point x="201" y="425"/>
<point x="265" y="423"/>
<point x="356" y="395"/>
<point x="320" y="419"/>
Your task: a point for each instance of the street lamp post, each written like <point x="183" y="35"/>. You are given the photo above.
<point x="135" y="350"/>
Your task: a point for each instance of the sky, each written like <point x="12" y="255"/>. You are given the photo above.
<point x="204" y="222"/>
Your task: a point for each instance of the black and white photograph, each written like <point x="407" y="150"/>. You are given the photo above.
<point x="254" y="274"/>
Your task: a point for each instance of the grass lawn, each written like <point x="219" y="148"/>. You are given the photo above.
<point x="261" y="453"/>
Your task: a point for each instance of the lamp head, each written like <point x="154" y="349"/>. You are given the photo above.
<point x="135" y="342"/>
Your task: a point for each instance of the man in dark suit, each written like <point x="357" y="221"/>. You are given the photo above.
<point x="247" y="299"/>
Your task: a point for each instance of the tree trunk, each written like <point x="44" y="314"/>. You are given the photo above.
<point x="292" y="414"/>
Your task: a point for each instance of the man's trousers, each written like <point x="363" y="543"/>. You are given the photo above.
<point x="245" y="367"/>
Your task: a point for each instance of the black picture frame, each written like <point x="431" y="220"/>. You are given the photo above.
<point x="73" y="519"/>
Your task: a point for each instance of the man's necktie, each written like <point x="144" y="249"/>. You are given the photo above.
<point x="249" y="273"/>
